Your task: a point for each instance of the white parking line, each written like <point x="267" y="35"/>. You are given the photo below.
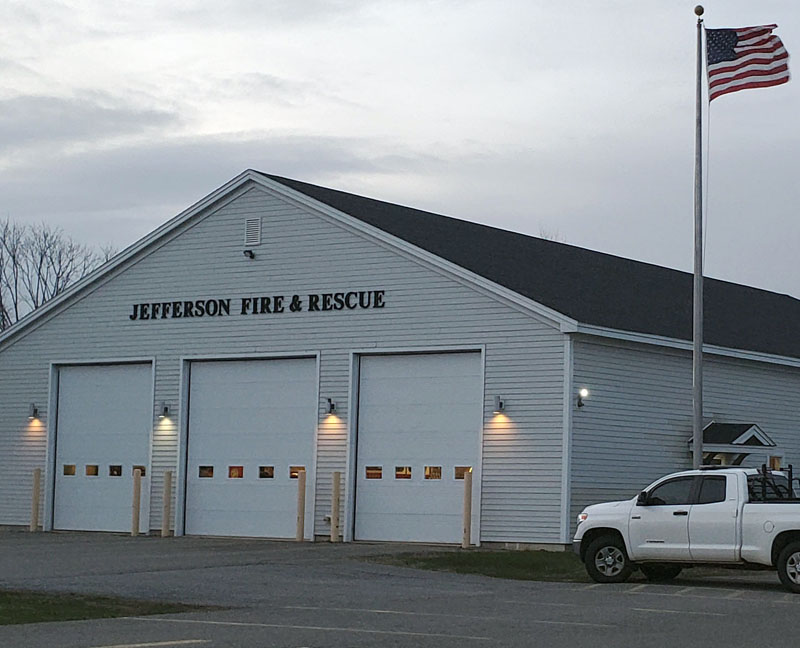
<point x="663" y="611"/>
<point x="244" y="624"/>
<point x="153" y="644"/>
<point x="403" y="612"/>
<point x="461" y="616"/>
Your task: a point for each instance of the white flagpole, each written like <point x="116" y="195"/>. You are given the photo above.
<point x="697" y="347"/>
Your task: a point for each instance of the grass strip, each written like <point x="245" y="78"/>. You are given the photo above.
<point x="22" y="606"/>
<point x="519" y="565"/>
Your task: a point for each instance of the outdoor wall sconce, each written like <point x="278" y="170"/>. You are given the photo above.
<point x="33" y="412"/>
<point x="499" y="404"/>
<point x="331" y="406"/>
<point x="582" y="393"/>
<point x="249" y="254"/>
<point x="163" y="410"/>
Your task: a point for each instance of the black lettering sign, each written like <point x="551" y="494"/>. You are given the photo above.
<point x="261" y="305"/>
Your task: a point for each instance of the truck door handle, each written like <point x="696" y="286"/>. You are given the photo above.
<point x="680" y="513"/>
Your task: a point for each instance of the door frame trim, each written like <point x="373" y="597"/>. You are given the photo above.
<point x="51" y="428"/>
<point x="183" y="430"/>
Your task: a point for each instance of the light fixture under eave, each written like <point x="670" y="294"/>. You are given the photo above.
<point x="582" y="394"/>
<point x="331" y="406"/>
<point x="163" y="410"/>
<point x="499" y="404"/>
<point x="249" y="254"/>
<point x="33" y="412"/>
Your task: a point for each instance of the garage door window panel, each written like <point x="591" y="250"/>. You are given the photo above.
<point x="433" y="472"/>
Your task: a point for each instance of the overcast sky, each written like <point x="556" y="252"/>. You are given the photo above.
<point x="574" y="118"/>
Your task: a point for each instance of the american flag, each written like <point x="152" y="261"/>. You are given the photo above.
<point x="749" y="57"/>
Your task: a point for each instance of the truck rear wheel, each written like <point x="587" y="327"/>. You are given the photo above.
<point x="607" y="561"/>
<point x="660" y="572"/>
<point x="789" y="567"/>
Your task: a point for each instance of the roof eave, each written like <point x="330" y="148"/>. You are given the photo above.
<point x="128" y="253"/>
<point x="675" y="343"/>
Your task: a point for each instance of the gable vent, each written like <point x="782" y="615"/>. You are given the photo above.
<point x="252" y="231"/>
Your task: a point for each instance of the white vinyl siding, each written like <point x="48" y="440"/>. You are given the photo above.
<point x="637" y="421"/>
<point x="307" y="253"/>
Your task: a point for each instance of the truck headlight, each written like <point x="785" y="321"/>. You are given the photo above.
<point x="582" y="517"/>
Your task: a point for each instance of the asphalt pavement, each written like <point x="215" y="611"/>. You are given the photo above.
<point x="269" y="594"/>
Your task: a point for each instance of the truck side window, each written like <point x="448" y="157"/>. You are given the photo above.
<point x="712" y="490"/>
<point x="674" y="491"/>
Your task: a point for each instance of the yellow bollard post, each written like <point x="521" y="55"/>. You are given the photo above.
<point x="301" y="505"/>
<point x="335" y="496"/>
<point x="467" y="537"/>
<point x="137" y="501"/>
<point x="36" y="496"/>
<point x="166" y="504"/>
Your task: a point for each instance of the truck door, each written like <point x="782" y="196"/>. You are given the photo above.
<point x="659" y="527"/>
<point x="713" y="520"/>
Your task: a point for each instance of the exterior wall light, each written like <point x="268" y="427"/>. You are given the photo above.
<point x="163" y="410"/>
<point x="331" y="409"/>
<point x="582" y="393"/>
<point x="499" y="404"/>
<point x="33" y="412"/>
<point x="249" y="254"/>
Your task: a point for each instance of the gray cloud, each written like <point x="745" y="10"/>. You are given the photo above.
<point x="45" y="120"/>
<point x="613" y="198"/>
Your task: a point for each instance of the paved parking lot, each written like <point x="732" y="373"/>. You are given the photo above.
<point x="275" y="594"/>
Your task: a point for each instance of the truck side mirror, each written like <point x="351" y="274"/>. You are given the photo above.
<point x="641" y="499"/>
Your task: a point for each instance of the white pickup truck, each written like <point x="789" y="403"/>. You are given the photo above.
<point x="714" y="516"/>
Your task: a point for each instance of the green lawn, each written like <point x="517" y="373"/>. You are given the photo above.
<point x="36" y="607"/>
<point x="520" y="565"/>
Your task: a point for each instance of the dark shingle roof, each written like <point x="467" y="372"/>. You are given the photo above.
<point x="727" y="433"/>
<point x="591" y="287"/>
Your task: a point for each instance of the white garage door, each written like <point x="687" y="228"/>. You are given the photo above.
<point x="251" y="428"/>
<point x="419" y="423"/>
<point x="103" y="428"/>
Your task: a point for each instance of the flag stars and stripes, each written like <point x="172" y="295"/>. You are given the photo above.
<point x="749" y="57"/>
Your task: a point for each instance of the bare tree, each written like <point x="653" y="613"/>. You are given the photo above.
<point x="551" y="235"/>
<point x="37" y="263"/>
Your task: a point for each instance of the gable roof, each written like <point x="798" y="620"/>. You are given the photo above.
<point x="748" y="434"/>
<point x="591" y="287"/>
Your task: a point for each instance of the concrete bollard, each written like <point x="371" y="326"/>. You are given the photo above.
<point x="335" y="496"/>
<point x="137" y="501"/>
<point x="166" y="504"/>
<point x="36" y="496"/>
<point x="301" y="505"/>
<point x="466" y="538"/>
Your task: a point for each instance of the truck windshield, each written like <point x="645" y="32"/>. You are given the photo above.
<point x="772" y="488"/>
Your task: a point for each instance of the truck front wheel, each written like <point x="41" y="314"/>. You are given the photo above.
<point x="607" y="561"/>
<point x="789" y="567"/>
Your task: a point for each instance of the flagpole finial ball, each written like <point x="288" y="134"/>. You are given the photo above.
<point x="699" y="10"/>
